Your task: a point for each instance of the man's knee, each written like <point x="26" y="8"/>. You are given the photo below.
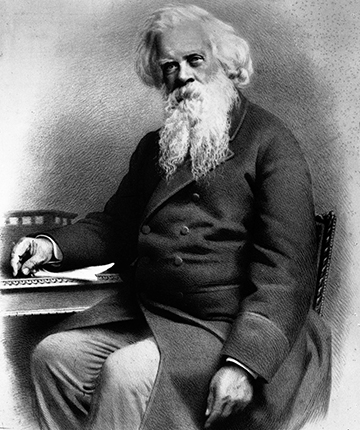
<point x="132" y="368"/>
<point x="46" y="352"/>
<point x="51" y="353"/>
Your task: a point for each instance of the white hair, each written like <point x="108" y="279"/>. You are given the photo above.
<point x="228" y="48"/>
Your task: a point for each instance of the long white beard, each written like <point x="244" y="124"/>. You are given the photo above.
<point x="197" y="124"/>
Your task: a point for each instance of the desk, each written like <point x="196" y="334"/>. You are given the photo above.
<point x="39" y="296"/>
<point x="29" y="307"/>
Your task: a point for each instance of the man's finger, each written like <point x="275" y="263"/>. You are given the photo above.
<point x="210" y="401"/>
<point x="22" y="246"/>
<point x="15" y="264"/>
<point x="215" y="413"/>
<point x="19" y="250"/>
<point x="31" y="264"/>
<point x="228" y="409"/>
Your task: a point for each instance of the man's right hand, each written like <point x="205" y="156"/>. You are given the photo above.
<point x="30" y="253"/>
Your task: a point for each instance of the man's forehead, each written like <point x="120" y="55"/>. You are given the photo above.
<point x="184" y="38"/>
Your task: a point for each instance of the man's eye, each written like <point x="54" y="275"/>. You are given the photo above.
<point x="196" y="60"/>
<point x="169" y="68"/>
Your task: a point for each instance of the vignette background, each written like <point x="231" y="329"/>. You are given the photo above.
<point x="72" y="110"/>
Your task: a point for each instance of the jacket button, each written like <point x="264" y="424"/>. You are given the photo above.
<point x="178" y="261"/>
<point x="184" y="230"/>
<point x="145" y="229"/>
<point x="195" y="197"/>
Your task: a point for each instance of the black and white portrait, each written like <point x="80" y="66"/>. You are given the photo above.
<point x="179" y="215"/>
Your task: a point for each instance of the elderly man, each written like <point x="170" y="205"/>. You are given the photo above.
<point x="213" y="233"/>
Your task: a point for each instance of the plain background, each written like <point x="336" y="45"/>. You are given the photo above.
<point x="72" y="110"/>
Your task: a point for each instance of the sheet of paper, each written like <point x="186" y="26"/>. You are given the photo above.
<point x="83" y="274"/>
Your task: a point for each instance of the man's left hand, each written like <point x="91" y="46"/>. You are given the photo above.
<point x="230" y="391"/>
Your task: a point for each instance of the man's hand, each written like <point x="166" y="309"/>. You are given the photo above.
<point x="230" y="391"/>
<point x="29" y="253"/>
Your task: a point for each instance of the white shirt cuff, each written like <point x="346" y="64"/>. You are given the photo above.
<point x="233" y="360"/>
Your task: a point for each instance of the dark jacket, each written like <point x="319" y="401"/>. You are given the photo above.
<point x="220" y="267"/>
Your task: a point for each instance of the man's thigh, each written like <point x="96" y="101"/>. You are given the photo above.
<point x="124" y="386"/>
<point x="80" y="354"/>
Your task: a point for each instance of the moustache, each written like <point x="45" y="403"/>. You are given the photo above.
<point x="190" y="91"/>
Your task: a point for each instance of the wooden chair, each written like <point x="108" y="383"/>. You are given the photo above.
<point x="325" y="225"/>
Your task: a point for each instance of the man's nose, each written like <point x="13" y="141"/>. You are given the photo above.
<point x="185" y="74"/>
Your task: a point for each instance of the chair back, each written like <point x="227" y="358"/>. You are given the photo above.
<point x="325" y="228"/>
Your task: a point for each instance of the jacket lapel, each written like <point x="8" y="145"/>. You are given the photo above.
<point x="166" y="189"/>
<point x="238" y="115"/>
<point x="183" y="176"/>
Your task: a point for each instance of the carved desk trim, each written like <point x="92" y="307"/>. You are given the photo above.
<point x="42" y="296"/>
